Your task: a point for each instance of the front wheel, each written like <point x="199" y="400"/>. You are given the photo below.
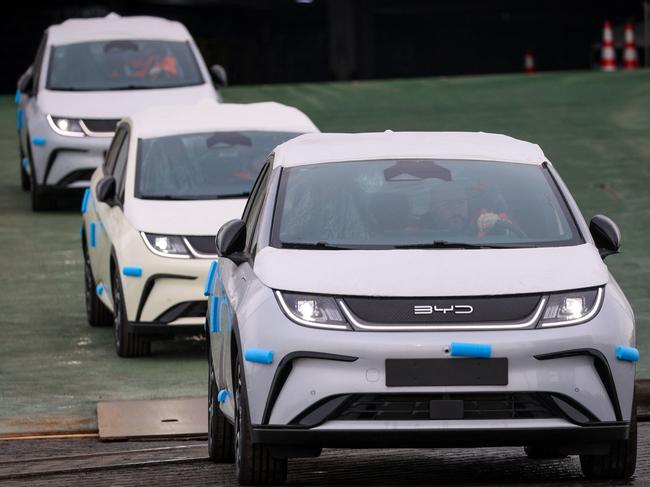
<point x="619" y="463"/>
<point x="97" y="313"/>
<point x="127" y="344"/>
<point x="41" y="201"/>
<point x="254" y="464"/>
<point x="221" y="434"/>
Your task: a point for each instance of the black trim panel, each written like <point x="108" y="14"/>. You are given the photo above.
<point x="51" y="158"/>
<point x="578" y="437"/>
<point x="284" y="369"/>
<point x="148" y="287"/>
<point x="602" y="369"/>
<point x="164" y="329"/>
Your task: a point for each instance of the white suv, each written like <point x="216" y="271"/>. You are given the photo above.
<point x="172" y="176"/>
<point x="87" y="75"/>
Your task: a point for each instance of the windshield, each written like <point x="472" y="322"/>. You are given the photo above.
<point x="122" y="65"/>
<point x="203" y="166"/>
<point x="420" y="203"/>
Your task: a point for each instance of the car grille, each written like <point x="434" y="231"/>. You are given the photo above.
<point x="100" y="125"/>
<point x="186" y="309"/>
<point x="203" y="244"/>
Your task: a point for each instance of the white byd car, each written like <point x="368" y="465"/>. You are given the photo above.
<point x="87" y="75"/>
<point x="417" y="290"/>
<point x="172" y="176"/>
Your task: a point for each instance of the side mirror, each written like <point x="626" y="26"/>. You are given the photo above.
<point x="105" y="190"/>
<point x="606" y="234"/>
<point x="219" y="75"/>
<point x="25" y="82"/>
<point x="231" y="240"/>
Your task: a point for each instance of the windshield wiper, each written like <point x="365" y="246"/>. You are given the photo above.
<point x="167" y="197"/>
<point x="310" y="245"/>
<point x="444" y="244"/>
<point x="243" y="194"/>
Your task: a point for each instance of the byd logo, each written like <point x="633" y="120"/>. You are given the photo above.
<point x="457" y="309"/>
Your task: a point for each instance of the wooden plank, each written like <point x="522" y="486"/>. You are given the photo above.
<point x="171" y="418"/>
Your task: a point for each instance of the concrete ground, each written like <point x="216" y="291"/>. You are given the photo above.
<point x="81" y="462"/>
<point x="54" y="368"/>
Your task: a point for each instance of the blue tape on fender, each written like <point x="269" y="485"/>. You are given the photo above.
<point x="132" y="271"/>
<point x="223" y="395"/>
<point x="215" y="326"/>
<point x="39" y="140"/>
<point x="18" y="96"/>
<point x="99" y="289"/>
<point x="214" y="265"/>
<point x="19" y="118"/>
<point x="84" y="202"/>
<point x="629" y="354"/>
<point x="91" y="238"/>
<point x="478" y="350"/>
<point x="258" y="355"/>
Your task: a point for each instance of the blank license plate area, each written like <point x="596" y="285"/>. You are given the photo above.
<point x="447" y="372"/>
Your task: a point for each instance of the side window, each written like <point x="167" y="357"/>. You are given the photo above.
<point x="109" y="162"/>
<point x="119" y="171"/>
<point x="38" y="64"/>
<point x="255" y="205"/>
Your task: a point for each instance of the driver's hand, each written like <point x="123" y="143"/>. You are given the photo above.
<point x="487" y="220"/>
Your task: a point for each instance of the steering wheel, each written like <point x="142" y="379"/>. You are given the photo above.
<point x="506" y="227"/>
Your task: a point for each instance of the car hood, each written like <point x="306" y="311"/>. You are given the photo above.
<point x="435" y="272"/>
<point x="116" y="104"/>
<point x="200" y="217"/>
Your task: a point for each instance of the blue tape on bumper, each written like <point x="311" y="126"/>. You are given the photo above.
<point x="39" y="140"/>
<point x="99" y="289"/>
<point x="17" y="97"/>
<point x="132" y="271"/>
<point x="223" y="395"/>
<point x="25" y="163"/>
<point x="214" y="265"/>
<point x="215" y="326"/>
<point x="19" y="118"/>
<point x="480" y="350"/>
<point x="84" y="202"/>
<point x="258" y="355"/>
<point x="91" y="238"/>
<point x="629" y="354"/>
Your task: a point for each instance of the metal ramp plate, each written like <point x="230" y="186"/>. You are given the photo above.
<point x="169" y="418"/>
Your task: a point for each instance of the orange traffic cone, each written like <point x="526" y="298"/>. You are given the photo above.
<point x="608" y="56"/>
<point x="529" y="62"/>
<point x="630" y="60"/>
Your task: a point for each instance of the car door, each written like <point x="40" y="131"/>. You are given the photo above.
<point x="109" y="216"/>
<point x="28" y="86"/>
<point x="232" y="282"/>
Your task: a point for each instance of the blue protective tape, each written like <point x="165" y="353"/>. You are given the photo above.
<point x="17" y="97"/>
<point x="39" y="140"/>
<point x="132" y="271"/>
<point x="258" y="355"/>
<point x="91" y="237"/>
<point x="480" y="350"/>
<point x="84" y="202"/>
<point x="629" y="354"/>
<point x="223" y="395"/>
<point x="214" y="265"/>
<point x="19" y="118"/>
<point x="215" y="326"/>
<point x="99" y="289"/>
<point x="25" y="163"/>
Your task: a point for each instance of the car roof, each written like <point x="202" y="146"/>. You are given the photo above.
<point x="113" y="26"/>
<point x="211" y="116"/>
<point x="324" y="147"/>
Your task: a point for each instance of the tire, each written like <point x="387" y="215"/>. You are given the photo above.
<point x="126" y="344"/>
<point x="221" y="434"/>
<point x="97" y="313"/>
<point x="40" y="200"/>
<point x="619" y="463"/>
<point x="25" y="180"/>
<point x="543" y="452"/>
<point x="254" y="464"/>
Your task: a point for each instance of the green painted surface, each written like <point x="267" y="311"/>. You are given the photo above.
<point x="594" y="127"/>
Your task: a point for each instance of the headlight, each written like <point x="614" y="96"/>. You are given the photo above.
<point x="572" y="308"/>
<point x="66" y="126"/>
<point x="312" y="310"/>
<point x="166" y="245"/>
